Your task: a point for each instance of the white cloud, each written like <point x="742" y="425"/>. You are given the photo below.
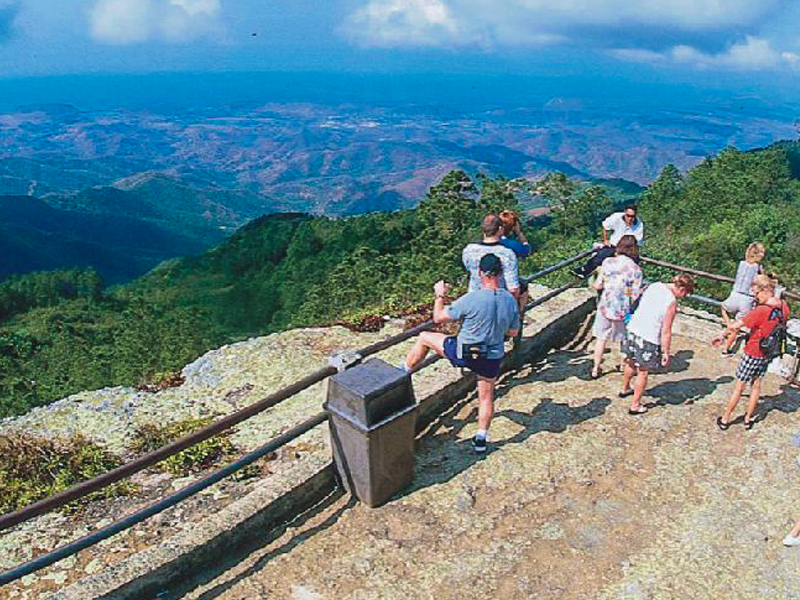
<point x="535" y="22"/>
<point x="753" y="54"/>
<point x="704" y="34"/>
<point x="689" y="14"/>
<point x="404" y="23"/>
<point x="130" y="21"/>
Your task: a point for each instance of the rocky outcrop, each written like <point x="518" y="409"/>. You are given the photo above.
<point x="219" y="382"/>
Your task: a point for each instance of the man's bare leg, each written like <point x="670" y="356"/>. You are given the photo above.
<point x="485" y="402"/>
<point x="597" y="356"/>
<point x="427" y="340"/>
<point x="638" y="389"/>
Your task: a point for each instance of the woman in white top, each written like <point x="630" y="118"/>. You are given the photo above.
<point x="647" y="342"/>
<point x="740" y="301"/>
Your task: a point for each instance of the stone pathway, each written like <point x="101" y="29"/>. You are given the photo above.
<point x="576" y="499"/>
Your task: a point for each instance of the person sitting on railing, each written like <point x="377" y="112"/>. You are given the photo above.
<point x="471" y="256"/>
<point x="740" y="301"/>
<point x="615" y="226"/>
<point x="649" y="336"/>
<point x="621" y="283"/>
<point x="487" y="316"/>
<point x="753" y="364"/>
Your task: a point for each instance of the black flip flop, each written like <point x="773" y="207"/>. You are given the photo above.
<point x="625" y="393"/>
<point x="637" y="412"/>
<point x="721" y="425"/>
<point x="749" y="424"/>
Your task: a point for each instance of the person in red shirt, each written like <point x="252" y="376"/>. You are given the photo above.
<point x="753" y="365"/>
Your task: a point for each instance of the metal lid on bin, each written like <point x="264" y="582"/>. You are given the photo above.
<point x="370" y="392"/>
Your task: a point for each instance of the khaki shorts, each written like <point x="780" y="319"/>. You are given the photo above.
<point x="738" y="304"/>
<point x="608" y="330"/>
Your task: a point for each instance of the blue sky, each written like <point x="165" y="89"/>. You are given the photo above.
<point x="714" y="44"/>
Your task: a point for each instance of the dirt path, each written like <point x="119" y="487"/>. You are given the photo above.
<point x="576" y="499"/>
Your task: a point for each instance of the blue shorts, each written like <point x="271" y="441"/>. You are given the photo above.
<point x="485" y="367"/>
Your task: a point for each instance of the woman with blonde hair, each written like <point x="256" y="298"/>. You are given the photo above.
<point x="753" y="364"/>
<point x="740" y="300"/>
<point x="621" y="283"/>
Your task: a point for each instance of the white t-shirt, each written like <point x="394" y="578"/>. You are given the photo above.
<point x="618" y="227"/>
<point x="471" y="257"/>
<point x="646" y="321"/>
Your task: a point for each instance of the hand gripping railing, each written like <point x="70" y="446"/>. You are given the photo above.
<point x="92" y="485"/>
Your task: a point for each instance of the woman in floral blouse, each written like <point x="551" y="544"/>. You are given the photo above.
<point x="621" y="283"/>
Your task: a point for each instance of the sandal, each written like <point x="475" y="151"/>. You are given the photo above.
<point x="595" y="374"/>
<point x="641" y="411"/>
<point x="722" y="425"/>
<point x="625" y="393"/>
<point x="749" y="424"/>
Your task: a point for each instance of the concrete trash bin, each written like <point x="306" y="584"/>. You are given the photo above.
<point x="373" y="418"/>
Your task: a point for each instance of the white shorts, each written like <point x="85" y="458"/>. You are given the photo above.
<point x="608" y="330"/>
<point x="738" y="304"/>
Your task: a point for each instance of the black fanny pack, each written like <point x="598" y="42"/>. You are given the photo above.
<point x="475" y="351"/>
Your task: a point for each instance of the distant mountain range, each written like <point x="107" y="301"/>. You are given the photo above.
<point x="180" y="182"/>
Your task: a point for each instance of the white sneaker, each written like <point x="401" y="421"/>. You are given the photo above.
<point x="791" y="541"/>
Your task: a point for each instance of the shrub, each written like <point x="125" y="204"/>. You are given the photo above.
<point x="152" y="436"/>
<point x="32" y="468"/>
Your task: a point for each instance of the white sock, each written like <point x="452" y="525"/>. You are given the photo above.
<point x="482" y="433"/>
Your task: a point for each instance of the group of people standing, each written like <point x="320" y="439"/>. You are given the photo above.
<point x="639" y="316"/>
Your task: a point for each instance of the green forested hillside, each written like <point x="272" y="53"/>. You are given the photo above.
<point x="278" y="271"/>
<point x="61" y="332"/>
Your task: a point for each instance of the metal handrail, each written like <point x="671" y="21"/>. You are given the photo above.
<point x="153" y="509"/>
<point x="704" y="274"/>
<point x="151" y="458"/>
<point x="92" y="485"/>
<point x="559" y="265"/>
<point x="89" y="486"/>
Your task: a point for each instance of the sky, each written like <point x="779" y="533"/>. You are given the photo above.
<point x="736" y="46"/>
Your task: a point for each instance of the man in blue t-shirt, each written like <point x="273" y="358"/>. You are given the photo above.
<point x="487" y="316"/>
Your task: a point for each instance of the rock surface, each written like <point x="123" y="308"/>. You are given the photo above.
<point x="576" y="499"/>
<point x="219" y="382"/>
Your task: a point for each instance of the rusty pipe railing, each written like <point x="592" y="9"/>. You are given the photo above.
<point x="215" y="428"/>
<point x="89" y="486"/>
<point x="161" y="505"/>
<point x="705" y="274"/>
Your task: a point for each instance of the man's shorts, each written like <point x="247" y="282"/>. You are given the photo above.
<point x="485" y="367"/>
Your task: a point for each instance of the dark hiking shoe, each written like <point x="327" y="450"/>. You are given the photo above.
<point x="479" y="444"/>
